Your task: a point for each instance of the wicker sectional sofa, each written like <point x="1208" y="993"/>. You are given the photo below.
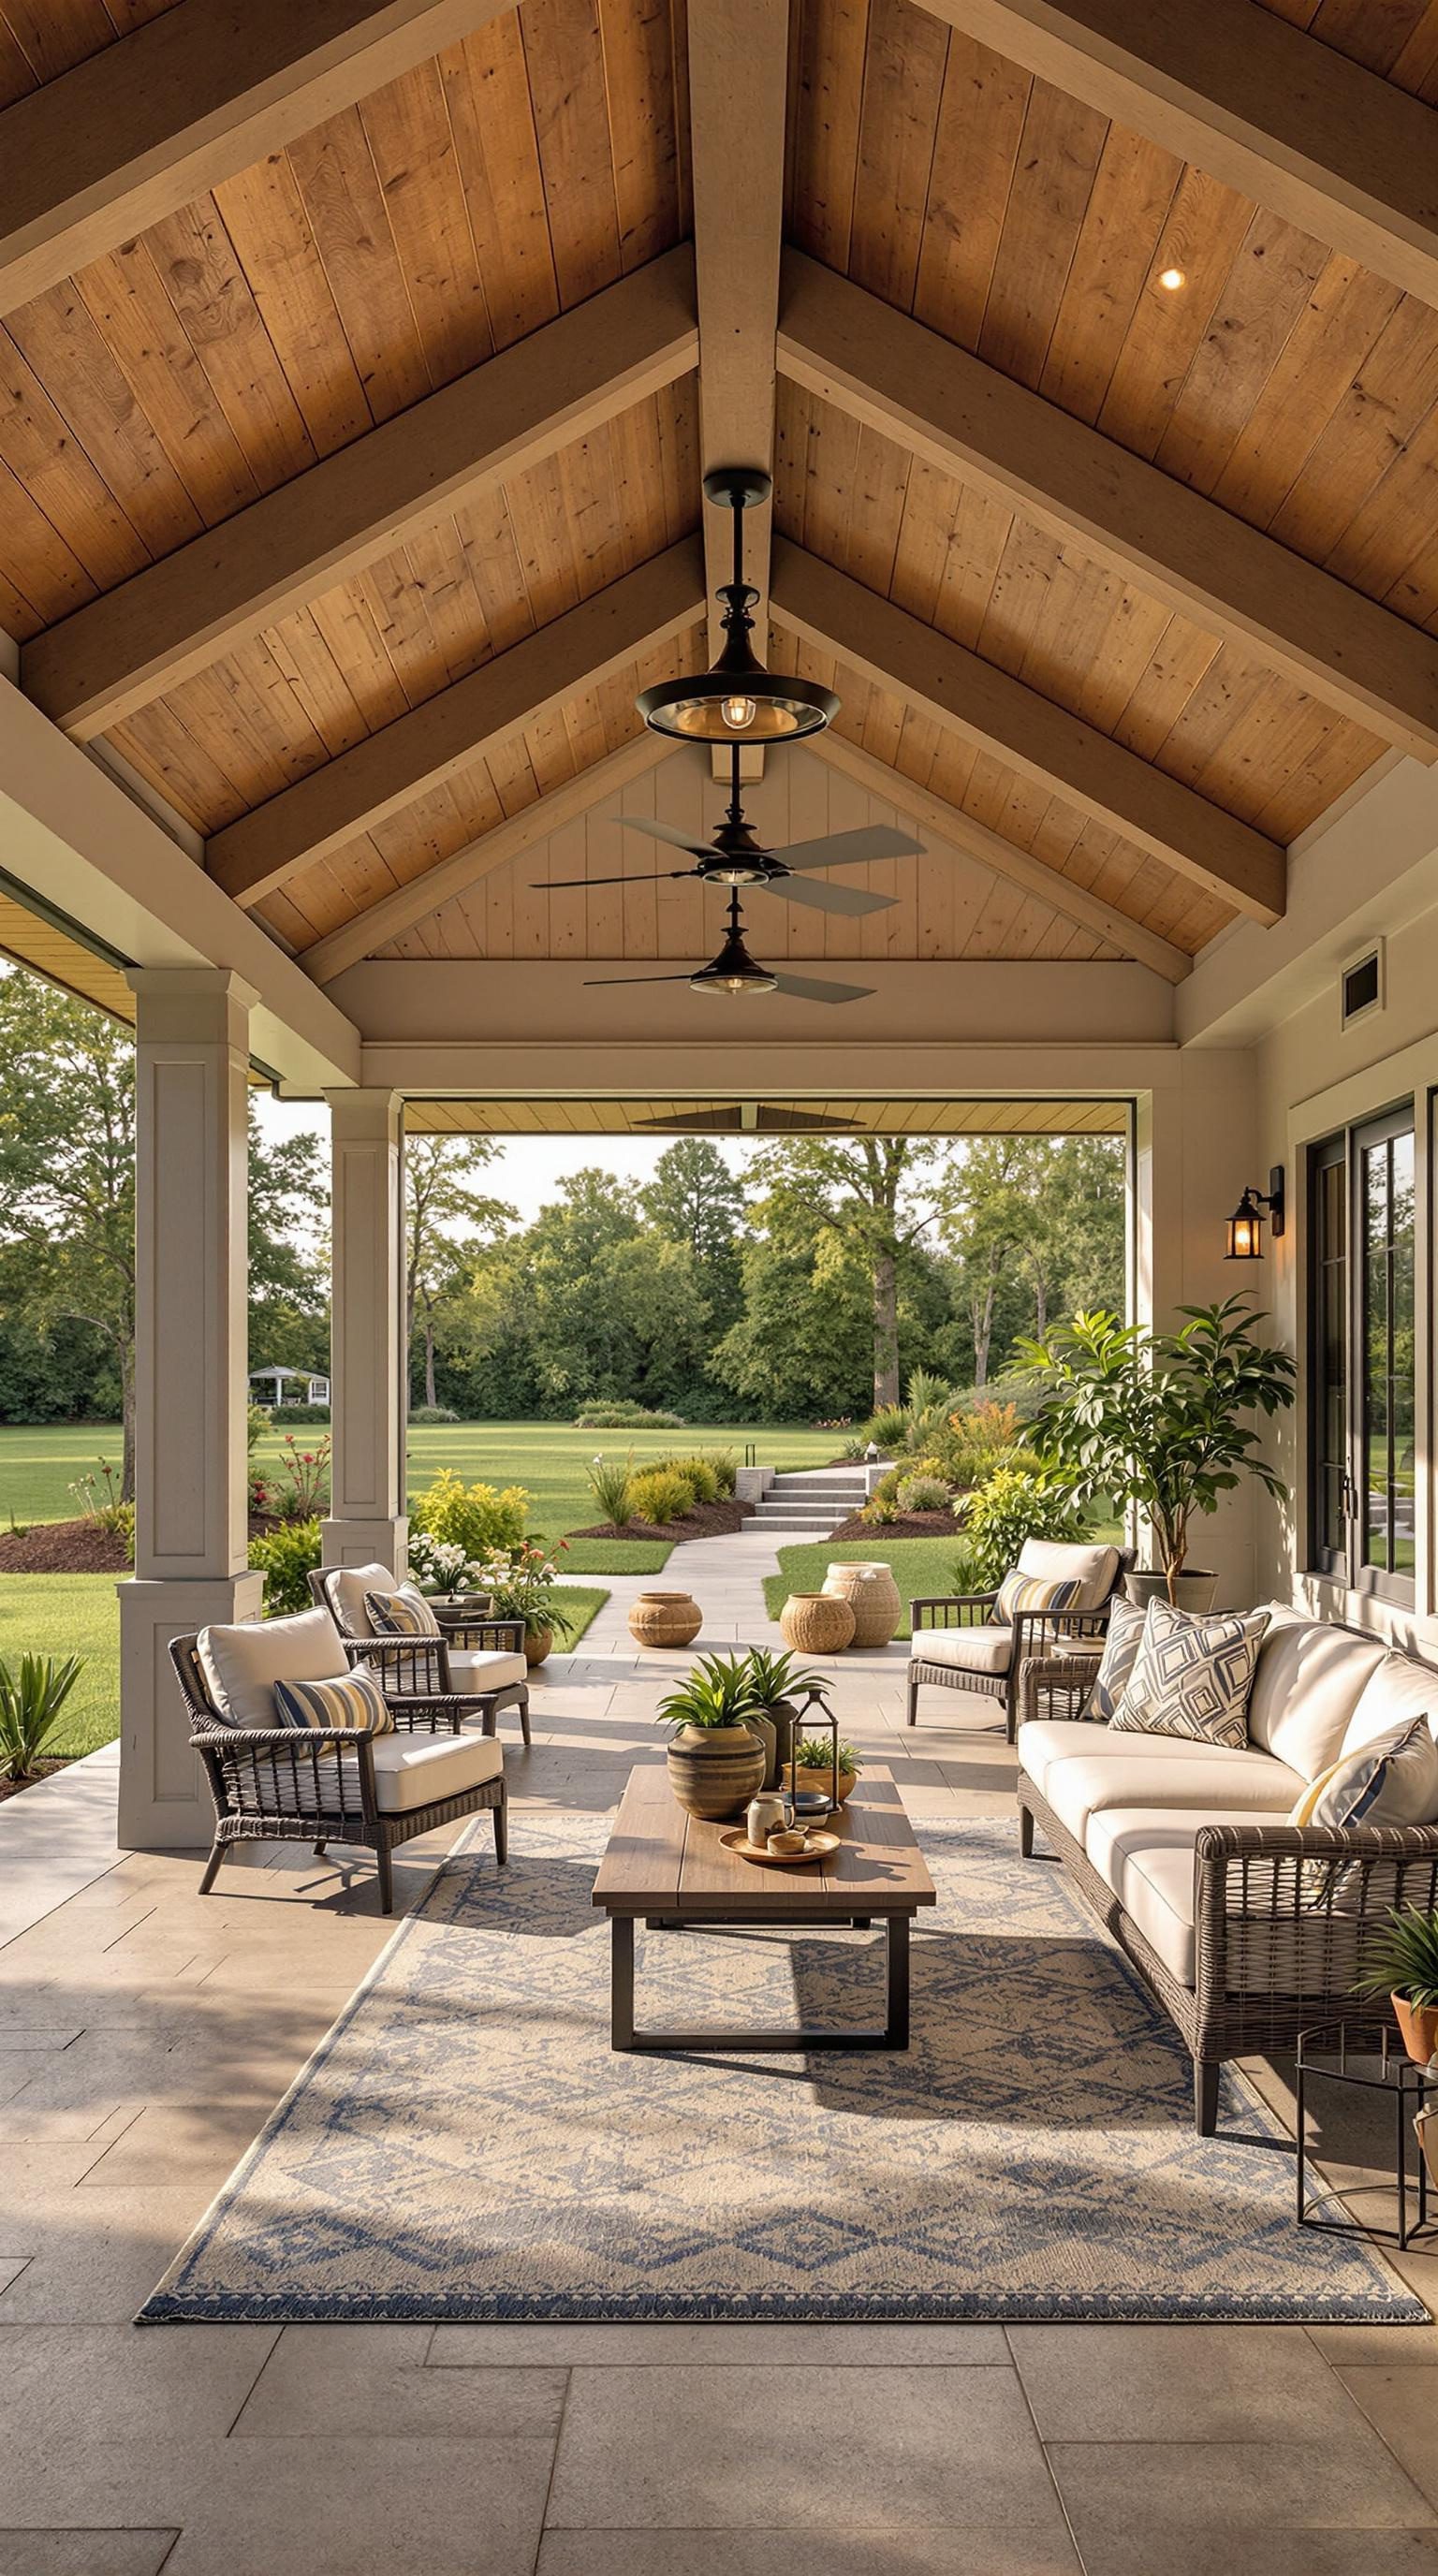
<point x="1184" y="1851"/>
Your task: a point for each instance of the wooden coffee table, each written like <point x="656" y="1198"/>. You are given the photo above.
<point x="672" y="1869"/>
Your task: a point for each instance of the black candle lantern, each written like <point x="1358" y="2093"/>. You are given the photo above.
<point x="811" y="1806"/>
<point x="1245" y="1226"/>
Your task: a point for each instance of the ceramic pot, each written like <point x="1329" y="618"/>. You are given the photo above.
<point x="760" y="1723"/>
<point x="1192" y="1591"/>
<point x="1419" y="2026"/>
<point x="781" y="1714"/>
<point x="872" y="1595"/>
<point x="537" y="1642"/>
<point x="715" y="1770"/>
<point x="822" y="1779"/>
<point x="817" y="1623"/>
<point x="665" y="1619"/>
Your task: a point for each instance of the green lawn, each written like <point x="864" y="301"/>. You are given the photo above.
<point x="924" y="1568"/>
<point x="79" y="1614"/>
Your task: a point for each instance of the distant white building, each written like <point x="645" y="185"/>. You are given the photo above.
<point x="279" y="1386"/>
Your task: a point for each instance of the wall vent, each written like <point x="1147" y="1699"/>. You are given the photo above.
<point x="1361" y="986"/>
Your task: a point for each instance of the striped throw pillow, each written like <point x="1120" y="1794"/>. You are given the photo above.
<point x="1034" y="1592"/>
<point x="352" y="1699"/>
<point x="404" y="1613"/>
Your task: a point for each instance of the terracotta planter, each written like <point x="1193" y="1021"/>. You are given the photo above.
<point x="872" y="1595"/>
<point x="665" y="1619"/>
<point x="537" y="1642"/>
<point x="823" y="1780"/>
<point x="1191" y="1591"/>
<point x="817" y="1623"/>
<point x="1419" y="2026"/>
<point x="714" y="1771"/>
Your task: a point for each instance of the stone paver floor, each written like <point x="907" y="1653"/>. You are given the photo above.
<point x="144" y="2034"/>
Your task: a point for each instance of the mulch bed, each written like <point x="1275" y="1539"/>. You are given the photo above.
<point x="42" y="1771"/>
<point x="707" y="1520"/>
<point x="909" y="1525"/>
<point x="63" y="1547"/>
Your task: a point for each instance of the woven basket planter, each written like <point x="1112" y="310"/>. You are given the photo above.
<point x="665" y="1619"/>
<point x="817" y="1623"/>
<point x="715" y="1771"/>
<point x="872" y="1595"/>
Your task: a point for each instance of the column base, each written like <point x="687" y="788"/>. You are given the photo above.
<point x="165" y="1802"/>
<point x="368" y="1543"/>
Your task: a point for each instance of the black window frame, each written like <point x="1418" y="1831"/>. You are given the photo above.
<point x="1345" y="1150"/>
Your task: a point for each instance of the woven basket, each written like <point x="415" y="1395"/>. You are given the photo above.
<point x="817" y="1623"/>
<point x="872" y="1595"/>
<point x="665" y="1619"/>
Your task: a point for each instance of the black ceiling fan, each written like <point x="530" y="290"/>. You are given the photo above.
<point x="735" y="971"/>
<point x="734" y="858"/>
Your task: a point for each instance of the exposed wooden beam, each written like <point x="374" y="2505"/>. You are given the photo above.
<point x="398" y="912"/>
<point x="1266" y="108"/>
<point x="934" y="814"/>
<point x="114" y="655"/>
<point x="1030" y="734"/>
<point x="968" y="420"/>
<point x="738" y="76"/>
<point x="186" y="100"/>
<point x="253" y="856"/>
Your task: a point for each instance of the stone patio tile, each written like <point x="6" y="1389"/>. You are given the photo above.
<point x="30" y="2036"/>
<point x="84" y="2553"/>
<point x="976" y="2549"/>
<point x="173" y="2143"/>
<point x="11" y="2267"/>
<point x="1126" y="2547"/>
<point x="166" y="2385"/>
<point x="916" y="2446"/>
<point x="1348" y="2346"/>
<point x="1402" y="2405"/>
<point x="98" y="2255"/>
<point x="846" y="2346"/>
<point x="1177" y="2383"/>
<point x="324" y="2380"/>
<point x="1219" y="2488"/>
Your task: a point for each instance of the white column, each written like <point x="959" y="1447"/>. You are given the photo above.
<point x="191" y="1073"/>
<point x="368" y="1359"/>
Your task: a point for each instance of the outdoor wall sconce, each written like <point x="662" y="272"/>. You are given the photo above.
<point x="1245" y="1226"/>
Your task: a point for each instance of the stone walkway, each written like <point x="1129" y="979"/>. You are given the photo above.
<point x="725" y="1576"/>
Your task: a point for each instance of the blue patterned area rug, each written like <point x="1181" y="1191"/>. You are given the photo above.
<point x="465" y="2145"/>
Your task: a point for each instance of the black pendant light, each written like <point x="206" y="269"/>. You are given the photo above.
<point x="738" y="701"/>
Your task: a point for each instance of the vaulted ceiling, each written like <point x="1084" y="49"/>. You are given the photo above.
<point x="360" y="364"/>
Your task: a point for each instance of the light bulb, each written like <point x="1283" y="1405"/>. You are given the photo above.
<point x="1172" y="279"/>
<point x="738" y="713"/>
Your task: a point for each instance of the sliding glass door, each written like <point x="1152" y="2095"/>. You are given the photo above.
<point x="1362" y="1332"/>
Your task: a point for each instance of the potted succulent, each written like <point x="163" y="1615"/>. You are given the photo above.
<point x="772" y="1680"/>
<point x="1401" y="1959"/>
<point x="717" y="1760"/>
<point x="523" y="1583"/>
<point x="815" y="1766"/>
<point x="1160" y="1421"/>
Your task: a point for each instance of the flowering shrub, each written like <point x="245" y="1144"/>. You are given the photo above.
<point x="523" y="1583"/>
<point x="441" y="1564"/>
<point x="97" y="1500"/>
<point x="299" y="1488"/>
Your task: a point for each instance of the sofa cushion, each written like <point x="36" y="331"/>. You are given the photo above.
<point x="1045" y="1740"/>
<point x="1192" y="1676"/>
<point x="1164" y="1771"/>
<point x="1094" y="1569"/>
<point x="1146" y="1856"/>
<point x="345" y="1587"/>
<point x="975" y="1650"/>
<point x="1308" y="1682"/>
<point x="242" y="1664"/>
<point x="1399" y="1686"/>
<point x="414" y="1770"/>
<point x="476" y="1670"/>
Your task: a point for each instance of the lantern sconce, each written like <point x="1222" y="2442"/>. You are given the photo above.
<point x="1245" y="1226"/>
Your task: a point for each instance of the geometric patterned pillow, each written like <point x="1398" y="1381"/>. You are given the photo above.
<point x="1033" y="1592"/>
<point x="405" y="1613"/>
<point x="355" y="1699"/>
<point x="1120" y="1653"/>
<point x="1192" y="1676"/>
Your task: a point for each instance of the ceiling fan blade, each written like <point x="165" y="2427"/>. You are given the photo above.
<point x="850" y="849"/>
<point x="826" y="898"/>
<point x="666" y="832"/>
<point x="565" y="885"/>
<point x="638" y="979"/>
<point x="804" y="988"/>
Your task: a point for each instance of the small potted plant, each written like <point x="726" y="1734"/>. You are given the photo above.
<point x="1401" y="1959"/>
<point x="773" y="1679"/>
<point x="717" y="1760"/>
<point x="815" y="1767"/>
<point x="443" y="1571"/>
<point x="523" y="1583"/>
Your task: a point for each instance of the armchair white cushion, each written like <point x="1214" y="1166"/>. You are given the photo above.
<point x="1094" y="1569"/>
<point x="983" y="1649"/>
<point x="479" y="1669"/>
<point x="345" y="1587"/>
<point x="241" y="1665"/>
<point x="415" y="1770"/>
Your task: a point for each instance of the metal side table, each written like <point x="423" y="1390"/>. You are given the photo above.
<point x="1367" y="2056"/>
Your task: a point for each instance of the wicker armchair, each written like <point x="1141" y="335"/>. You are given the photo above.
<point x="995" y="1662"/>
<point x="1276" y="1941"/>
<point x="433" y="1668"/>
<point x="292" y="1784"/>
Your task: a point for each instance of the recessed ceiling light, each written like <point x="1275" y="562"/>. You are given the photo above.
<point x="1173" y="279"/>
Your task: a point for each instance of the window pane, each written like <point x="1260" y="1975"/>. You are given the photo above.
<point x="1401" y="1358"/>
<point x="1386" y="1464"/>
<point x="1330" y="1354"/>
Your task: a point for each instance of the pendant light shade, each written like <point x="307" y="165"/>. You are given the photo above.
<point x="737" y="701"/>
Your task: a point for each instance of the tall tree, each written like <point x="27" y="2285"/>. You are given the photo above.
<point x="695" y="1199"/>
<point x="440" y="1202"/>
<point x="288" y="1250"/>
<point x="67" y="1173"/>
<point x="878" y="1195"/>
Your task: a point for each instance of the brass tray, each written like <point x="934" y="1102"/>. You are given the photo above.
<point x="820" y="1846"/>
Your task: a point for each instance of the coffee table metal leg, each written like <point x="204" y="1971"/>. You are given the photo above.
<point x="897" y="2030"/>
<point x="621" y="1981"/>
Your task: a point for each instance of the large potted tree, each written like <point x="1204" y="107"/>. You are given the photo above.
<point x="1162" y="1422"/>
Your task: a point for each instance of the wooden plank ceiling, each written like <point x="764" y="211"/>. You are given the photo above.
<point x="988" y="1117"/>
<point x="302" y="303"/>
